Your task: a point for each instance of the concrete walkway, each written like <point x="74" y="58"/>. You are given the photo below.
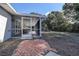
<point x="51" y="54"/>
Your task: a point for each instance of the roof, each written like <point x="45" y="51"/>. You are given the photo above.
<point x="8" y="8"/>
<point x="12" y="11"/>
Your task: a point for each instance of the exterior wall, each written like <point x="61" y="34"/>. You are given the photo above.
<point x="5" y="25"/>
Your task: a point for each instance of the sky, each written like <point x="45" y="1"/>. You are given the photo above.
<point x="41" y="8"/>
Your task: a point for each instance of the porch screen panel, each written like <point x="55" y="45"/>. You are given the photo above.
<point x="35" y="26"/>
<point x="16" y="28"/>
<point x="26" y="26"/>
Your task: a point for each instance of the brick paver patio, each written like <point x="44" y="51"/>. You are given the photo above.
<point x="32" y="48"/>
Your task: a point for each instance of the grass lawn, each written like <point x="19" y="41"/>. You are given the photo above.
<point x="66" y="44"/>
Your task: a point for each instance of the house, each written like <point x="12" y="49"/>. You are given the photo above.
<point x="16" y="25"/>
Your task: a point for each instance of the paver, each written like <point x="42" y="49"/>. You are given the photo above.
<point x="32" y="48"/>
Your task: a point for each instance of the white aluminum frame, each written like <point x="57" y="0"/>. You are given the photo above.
<point x="22" y="18"/>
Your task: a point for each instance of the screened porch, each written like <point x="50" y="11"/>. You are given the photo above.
<point x="26" y="27"/>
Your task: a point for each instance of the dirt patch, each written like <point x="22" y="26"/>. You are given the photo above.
<point x="66" y="44"/>
<point x="7" y="47"/>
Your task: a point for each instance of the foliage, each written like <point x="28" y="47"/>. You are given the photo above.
<point x="55" y="21"/>
<point x="71" y="12"/>
<point x="68" y="20"/>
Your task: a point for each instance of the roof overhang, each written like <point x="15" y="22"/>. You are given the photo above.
<point x="30" y="15"/>
<point x="12" y="11"/>
<point x="8" y="8"/>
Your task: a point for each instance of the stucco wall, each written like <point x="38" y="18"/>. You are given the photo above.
<point x="5" y="25"/>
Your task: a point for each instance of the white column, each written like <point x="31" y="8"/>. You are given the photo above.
<point x="31" y="25"/>
<point x="40" y="27"/>
<point x="21" y="26"/>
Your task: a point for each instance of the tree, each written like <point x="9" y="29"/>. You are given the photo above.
<point x="68" y="20"/>
<point x="71" y="12"/>
<point x="55" y="22"/>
